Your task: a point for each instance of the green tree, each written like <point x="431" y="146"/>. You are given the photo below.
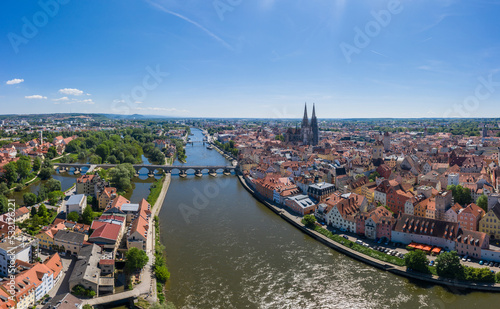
<point x="417" y="260"/>
<point x="37" y="164"/>
<point x="10" y="172"/>
<point x="309" y="221"/>
<point x="36" y="221"/>
<point x="94" y="159"/>
<point x="279" y="137"/>
<point x="136" y="259"/>
<point x="45" y="173"/>
<point x="4" y="189"/>
<point x="121" y="176"/>
<point x="482" y="202"/>
<point x="460" y="194"/>
<point x="102" y="151"/>
<point x="42" y="211"/>
<point x="53" y="185"/>
<point x="33" y="211"/>
<point x="51" y="153"/>
<point x="4" y="204"/>
<point x="448" y="265"/>
<point x="23" y="167"/>
<point x="73" y="216"/>
<point x="29" y="199"/>
<point x="88" y="215"/>
<point x="55" y="196"/>
<point x="162" y="273"/>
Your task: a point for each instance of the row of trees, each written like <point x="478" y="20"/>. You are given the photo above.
<point x="448" y="265"/>
<point x="155" y="155"/>
<point x="228" y="147"/>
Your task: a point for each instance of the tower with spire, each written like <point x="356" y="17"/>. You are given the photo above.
<point x="308" y="134"/>
<point x="314" y="127"/>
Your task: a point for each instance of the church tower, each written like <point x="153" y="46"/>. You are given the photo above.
<point x="305" y="121"/>
<point x="314" y="128"/>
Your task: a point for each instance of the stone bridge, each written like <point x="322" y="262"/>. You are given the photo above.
<point x="182" y="170"/>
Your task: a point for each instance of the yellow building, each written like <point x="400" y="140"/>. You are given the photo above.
<point x="490" y="223"/>
<point x="46" y="238"/>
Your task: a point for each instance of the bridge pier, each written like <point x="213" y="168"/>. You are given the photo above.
<point x="77" y="171"/>
<point x="212" y="173"/>
<point x="198" y="173"/>
<point x="182" y="174"/>
<point x="227" y="172"/>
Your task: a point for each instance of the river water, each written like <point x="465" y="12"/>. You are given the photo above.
<point x="226" y="250"/>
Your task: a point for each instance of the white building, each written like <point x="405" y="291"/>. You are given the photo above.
<point x="76" y="203"/>
<point x="13" y="249"/>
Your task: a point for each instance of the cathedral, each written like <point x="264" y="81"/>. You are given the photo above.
<point x="308" y="134"/>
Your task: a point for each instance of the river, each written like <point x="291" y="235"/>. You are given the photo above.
<point x="226" y="250"/>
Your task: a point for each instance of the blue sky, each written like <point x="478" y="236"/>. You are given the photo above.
<point x="259" y="58"/>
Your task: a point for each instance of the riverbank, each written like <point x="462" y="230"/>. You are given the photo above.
<point x="397" y="270"/>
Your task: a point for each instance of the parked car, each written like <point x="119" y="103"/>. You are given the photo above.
<point x="481" y="262"/>
<point x="431" y="263"/>
<point x="495" y="265"/>
<point x="46" y="300"/>
<point x="345" y="237"/>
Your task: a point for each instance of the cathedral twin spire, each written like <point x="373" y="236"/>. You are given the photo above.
<point x="310" y="130"/>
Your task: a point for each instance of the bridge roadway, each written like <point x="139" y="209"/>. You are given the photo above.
<point x="152" y="168"/>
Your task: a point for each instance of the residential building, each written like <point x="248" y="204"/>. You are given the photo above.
<point x="76" y="203"/>
<point x="470" y="217"/>
<point x="490" y="223"/>
<point x="69" y="242"/>
<point x="300" y="204"/>
<point x="14" y="249"/>
<point x="320" y="191"/>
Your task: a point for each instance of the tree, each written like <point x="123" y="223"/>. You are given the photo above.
<point x="53" y="185"/>
<point x="33" y="211"/>
<point x="88" y="215"/>
<point x="373" y="176"/>
<point x="42" y="211"/>
<point x="162" y="273"/>
<point x="10" y="173"/>
<point x="29" y="199"/>
<point x="417" y="260"/>
<point x="55" y="196"/>
<point x="73" y="216"/>
<point x="102" y="151"/>
<point x="51" y="153"/>
<point x="45" y="173"/>
<point x="136" y="259"/>
<point x="94" y="159"/>
<point x="4" y="204"/>
<point x="448" y="265"/>
<point x="309" y="220"/>
<point x="121" y="176"/>
<point x="4" y="189"/>
<point x="460" y="194"/>
<point x="482" y="202"/>
<point x="23" y="167"/>
<point x="37" y="164"/>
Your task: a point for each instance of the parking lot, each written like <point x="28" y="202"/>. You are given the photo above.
<point x="399" y="250"/>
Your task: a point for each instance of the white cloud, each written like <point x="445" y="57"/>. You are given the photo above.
<point x="87" y="101"/>
<point x="138" y="102"/>
<point x="61" y="99"/>
<point x="36" y="96"/>
<point x="71" y="91"/>
<point x="118" y="101"/>
<point x="14" y="81"/>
